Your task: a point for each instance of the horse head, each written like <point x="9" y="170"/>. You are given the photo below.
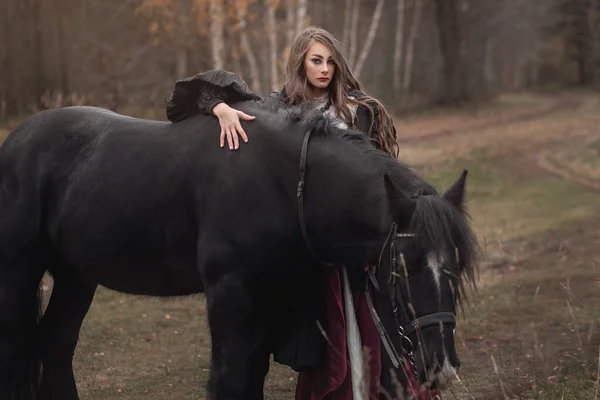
<point x="428" y="260"/>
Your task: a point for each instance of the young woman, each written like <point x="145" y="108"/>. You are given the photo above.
<point x="317" y="76"/>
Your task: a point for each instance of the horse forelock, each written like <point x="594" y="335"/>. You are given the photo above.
<point x="442" y="228"/>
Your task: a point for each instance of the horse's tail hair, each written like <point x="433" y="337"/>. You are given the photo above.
<point x="20" y="374"/>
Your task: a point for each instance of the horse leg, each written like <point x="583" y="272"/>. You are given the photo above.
<point x="19" y="315"/>
<point x="59" y="332"/>
<point x="240" y="357"/>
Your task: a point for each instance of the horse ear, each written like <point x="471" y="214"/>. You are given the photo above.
<point x="401" y="206"/>
<point x="456" y="194"/>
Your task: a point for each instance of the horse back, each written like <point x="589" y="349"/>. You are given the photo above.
<point x="124" y="198"/>
<point x="109" y="193"/>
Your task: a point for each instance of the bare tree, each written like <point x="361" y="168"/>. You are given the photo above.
<point x="370" y="37"/>
<point x="38" y="50"/>
<point x="272" y="32"/>
<point x="5" y="66"/>
<point x="300" y="14"/>
<point x="217" y="33"/>
<point x="410" y="45"/>
<point x="59" y="21"/>
<point x="453" y="83"/>
<point x="290" y="13"/>
<point x="182" y="51"/>
<point x="595" y="40"/>
<point x="241" y="11"/>
<point x="353" y="32"/>
<point x="578" y="17"/>
<point x="398" y="46"/>
<point x="347" y="22"/>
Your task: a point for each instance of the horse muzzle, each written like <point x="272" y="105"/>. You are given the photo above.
<point x="439" y="370"/>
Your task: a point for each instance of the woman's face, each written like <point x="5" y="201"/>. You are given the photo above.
<point x="319" y="67"/>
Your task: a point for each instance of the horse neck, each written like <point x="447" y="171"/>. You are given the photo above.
<point x="345" y="207"/>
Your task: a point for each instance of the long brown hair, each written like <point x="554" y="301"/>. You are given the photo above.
<point x="296" y="86"/>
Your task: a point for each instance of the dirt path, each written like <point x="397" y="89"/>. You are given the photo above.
<point x="545" y="162"/>
<point x="432" y="128"/>
<point x="428" y="129"/>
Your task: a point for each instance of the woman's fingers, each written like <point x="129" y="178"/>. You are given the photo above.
<point x="242" y="132"/>
<point x="244" y="116"/>
<point x="230" y="139"/>
<point x="236" y="140"/>
<point x="231" y="128"/>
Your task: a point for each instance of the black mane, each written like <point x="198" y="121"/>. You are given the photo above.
<point x="438" y="224"/>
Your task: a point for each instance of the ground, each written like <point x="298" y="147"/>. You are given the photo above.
<point x="532" y="329"/>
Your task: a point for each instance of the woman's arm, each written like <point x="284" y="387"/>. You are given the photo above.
<point x="229" y="119"/>
<point x="202" y="92"/>
<point x="208" y="93"/>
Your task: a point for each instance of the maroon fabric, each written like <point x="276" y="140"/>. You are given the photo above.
<point x="332" y="381"/>
<point x="415" y="390"/>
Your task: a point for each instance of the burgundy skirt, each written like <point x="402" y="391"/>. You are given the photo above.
<point x="332" y="381"/>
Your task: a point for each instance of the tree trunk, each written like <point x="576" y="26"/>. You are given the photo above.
<point x="181" y="66"/>
<point x="300" y="15"/>
<point x="453" y="77"/>
<point x="595" y="40"/>
<point x="246" y="48"/>
<point x="581" y="45"/>
<point x="216" y="33"/>
<point x="410" y="46"/>
<point x="272" y="31"/>
<point x="370" y="37"/>
<point x="182" y="52"/>
<point x="347" y="23"/>
<point x="63" y="68"/>
<point x="39" y="70"/>
<point x="5" y="66"/>
<point x="398" y="48"/>
<point x="290" y="22"/>
<point x="353" y="33"/>
<point x="488" y="66"/>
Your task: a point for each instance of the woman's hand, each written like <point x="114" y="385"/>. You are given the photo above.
<point x="229" y="119"/>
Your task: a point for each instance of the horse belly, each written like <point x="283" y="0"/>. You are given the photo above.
<point x="153" y="280"/>
<point x="153" y="273"/>
<point x="132" y="251"/>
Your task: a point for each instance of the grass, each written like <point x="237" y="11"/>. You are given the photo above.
<point x="504" y="205"/>
<point x="529" y="318"/>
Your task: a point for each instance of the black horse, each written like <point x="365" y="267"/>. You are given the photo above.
<point x="154" y="208"/>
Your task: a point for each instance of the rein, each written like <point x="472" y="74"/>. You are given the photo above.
<point x="404" y="323"/>
<point x="300" y="196"/>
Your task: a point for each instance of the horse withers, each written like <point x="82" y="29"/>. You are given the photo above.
<point x="153" y="208"/>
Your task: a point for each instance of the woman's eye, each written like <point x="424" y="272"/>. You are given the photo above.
<point x="316" y="61"/>
<point x="330" y="62"/>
